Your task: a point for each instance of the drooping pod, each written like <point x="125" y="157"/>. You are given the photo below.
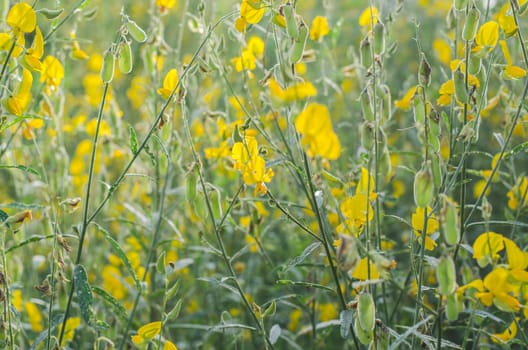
<point x="291" y="21"/>
<point x="379" y="38"/>
<point x="136" y="32"/>
<point x="300" y="43"/>
<point x="108" y="67"/>
<point x="125" y="58"/>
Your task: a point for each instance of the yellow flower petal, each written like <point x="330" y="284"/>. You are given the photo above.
<point x="22" y="17"/>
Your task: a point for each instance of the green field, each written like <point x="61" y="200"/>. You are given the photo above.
<point x="264" y="174"/>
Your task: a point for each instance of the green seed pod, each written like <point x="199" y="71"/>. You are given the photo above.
<point x="419" y="109"/>
<point x="450" y="221"/>
<point x="366" y="107"/>
<point x="423" y="186"/>
<point x="216" y="203"/>
<point x="364" y="51"/>
<point x="291" y="21"/>
<point x="424" y="71"/>
<point x="108" y="67"/>
<point x="298" y="46"/>
<point x="51" y="13"/>
<point x="385" y="164"/>
<point x="366" y="311"/>
<point x="379" y="38"/>
<point x="461" y="93"/>
<point x="460" y="5"/>
<point x="136" y="32"/>
<point x="90" y="14"/>
<point x="470" y="27"/>
<point x="436" y="167"/>
<point x="451" y="307"/>
<point x="364" y="336"/>
<point x="386" y="106"/>
<point x="474" y="65"/>
<point x="125" y="58"/>
<point x="367" y="132"/>
<point x="446" y="276"/>
<point x="433" y="137"/>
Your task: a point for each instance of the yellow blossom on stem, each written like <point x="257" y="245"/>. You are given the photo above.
<point x="147" y="332"/>
<point x="508" y="334"/>
<point x="417" y="221"/>
<point x="361" y="272"/>
<point x="317" y="132"/>
<point x="518" y="195"/>
<point x="319" y="28"/>
<point x="22" y="18"/>
<point x="357" y="211"/>
<point x="294" y="92"/>
<point x="405" y="102"/>
<point x="369" y="17"/>
<point x="34" y="53"/>
<point x="169" y="83"/>
<point x="52" y="72"/>
<point x="165" y="4"/>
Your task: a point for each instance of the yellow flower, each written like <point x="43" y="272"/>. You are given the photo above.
<point x="22" y="18"/>
<point x="406" y="100"/>
<point x="71" y="325"/>
<point x="294" y="92"/>
<point x="169" y="346"/>
<point x="316" y="128"/>
<point x="486" y="248"/>
<point x="246" y="61"/>
<point x="255" y="45"/>
<point x="513" y="73"/>
<point x="518" y="195"/>
<point x="319" y="28"/>
<point x="252" y="11"/>
<point x="506" y="22"/>
<point x="147" y="332"/>
<point x="361" y="272"/>
<point x="487" y="36"/>
<point x="34" y="53"/>
<point x="417" y="221"/>
<point x="500" y="291"/>
<point x="327" y="312"/>
<point x="442" y="51"/>
<point x="366" y="184"/>
<point x="358" y="211"/>
<point x="251" y="164"/>
<point x="508" y="334"/>
<point x="169" y="83"/>
<point x="52" y="72"/>
<point x="35" y="318"/>
<point x="369" y="17"/>
<point x="165" y="4"/>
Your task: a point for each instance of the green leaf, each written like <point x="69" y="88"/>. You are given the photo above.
<point x="299" y="259"/>
<point x="274" y="333"/>
<point x="20" y="167"/>
<point x="27" y="241"/>
<point x="3" y="216"/>
<point x="118" y="309"/>
<point x="132" y="139"/>
<point x="160" y="264"/>
<point x="121" y="254"/>
<point x="84" y="293"/>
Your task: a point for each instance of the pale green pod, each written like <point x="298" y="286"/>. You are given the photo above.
<point x="446" y="276"/>
<point x="419" y="109"/>
<point x="364" y="336"/>
<point x="470" y="27"/>
<point x="461" y="93"/>
<point x="379" y="38"/>
<point x="460" y="5"/>
<point x="436" y="168"/>
<point x="125" y="58"/>
<point x="291" y="21"/>
<point x="366" y="311"/>
<point x="423" y="186"/>
<point x="450" y="222"/>
<point x="474" y="65"/>
<point x="136" y="32"/>
<point x="108" y="67"/>
<point x="299" y="45"/>
<point x="366" y="106"/>
<point x="451" y="307"/>
<point x="364" y="51"/>
<point x="367" y="133"/>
